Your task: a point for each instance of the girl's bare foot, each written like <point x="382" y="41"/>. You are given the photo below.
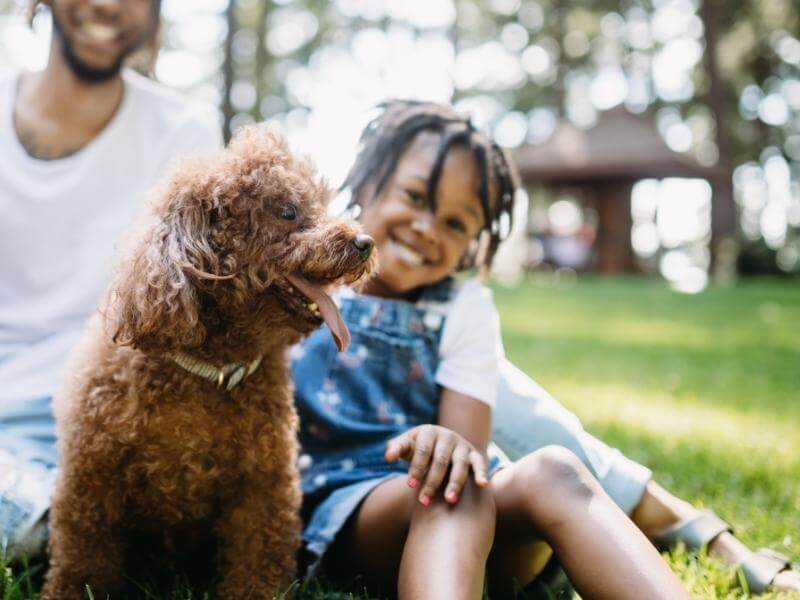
<point x="787" y="581"/>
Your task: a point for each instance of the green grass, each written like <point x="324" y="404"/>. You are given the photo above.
<point x="703" y="389"/>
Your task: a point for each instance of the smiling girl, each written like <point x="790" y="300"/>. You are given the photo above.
<point x="418" y="384"/>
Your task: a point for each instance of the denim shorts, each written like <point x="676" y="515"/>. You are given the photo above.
<point x="27" y="474"/>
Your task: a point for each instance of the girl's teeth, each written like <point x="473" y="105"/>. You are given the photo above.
<point x="406" y="254"/>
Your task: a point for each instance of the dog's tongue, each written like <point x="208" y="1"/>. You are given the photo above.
<point x="331" y="314"/>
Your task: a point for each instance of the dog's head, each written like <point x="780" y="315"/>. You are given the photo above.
<point x="235" y="244"/>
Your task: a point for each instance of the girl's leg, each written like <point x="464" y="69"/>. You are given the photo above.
<point x="551" y="493"/>
<point x="439" y="551"/>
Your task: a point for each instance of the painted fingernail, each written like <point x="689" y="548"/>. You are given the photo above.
<point x="412" y="483"/>
<point x="452" y="497"/>
<point x="425" y="501"/>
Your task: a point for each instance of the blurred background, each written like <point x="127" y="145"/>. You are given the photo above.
<point x="657" y="138"/>
<point x="654" y="136"/>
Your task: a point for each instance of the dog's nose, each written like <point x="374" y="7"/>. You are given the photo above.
<point x="364" y="245"/>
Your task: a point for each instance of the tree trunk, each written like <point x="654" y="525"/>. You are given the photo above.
<point x="724" y="224"/>
<point x="227" y="70"/>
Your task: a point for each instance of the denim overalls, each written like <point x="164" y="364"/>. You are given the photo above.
<point x="351" y="403"/>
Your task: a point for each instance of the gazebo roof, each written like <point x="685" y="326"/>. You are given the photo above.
<point x="621" y="145"/>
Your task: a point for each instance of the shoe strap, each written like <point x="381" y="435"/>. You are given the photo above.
<point x="695" y="532"/>
<point x="761" y="567"/>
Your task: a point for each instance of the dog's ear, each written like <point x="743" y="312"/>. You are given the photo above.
<point x="154" y="304"/>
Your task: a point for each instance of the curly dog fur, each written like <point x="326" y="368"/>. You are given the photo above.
<point x="149" y="448"/>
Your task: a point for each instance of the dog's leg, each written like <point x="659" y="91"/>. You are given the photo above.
<point x="260" y="535"/>
<point x="85" y="546"/>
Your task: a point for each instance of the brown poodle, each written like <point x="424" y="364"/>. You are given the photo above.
<point x="177" y="417"/>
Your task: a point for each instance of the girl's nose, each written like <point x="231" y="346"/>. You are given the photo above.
<point x="423" y="226"/>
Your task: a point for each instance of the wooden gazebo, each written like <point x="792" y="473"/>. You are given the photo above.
<point x="604" y="162"/>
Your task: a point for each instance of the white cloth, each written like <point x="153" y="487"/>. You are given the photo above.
<point x="471" y="347"/>
<point x="60" y="219"/>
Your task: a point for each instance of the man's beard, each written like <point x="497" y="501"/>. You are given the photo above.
<point x="87" y="72"/>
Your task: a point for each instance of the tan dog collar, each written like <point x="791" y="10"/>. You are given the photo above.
<point x="227" y="376"/>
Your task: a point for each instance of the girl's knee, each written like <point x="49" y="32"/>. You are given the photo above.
<point x="474" y="511"/>
<point x="554" y="471"/>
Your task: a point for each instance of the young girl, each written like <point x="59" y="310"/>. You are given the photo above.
<point x="418" y="384"/>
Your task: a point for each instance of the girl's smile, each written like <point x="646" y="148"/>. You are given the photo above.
<point x="406" y="254"/>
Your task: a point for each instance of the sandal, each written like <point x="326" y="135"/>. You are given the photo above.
<point x="695" y="532"/>
<point x="759" y="569"/>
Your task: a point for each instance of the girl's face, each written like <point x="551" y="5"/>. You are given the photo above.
<point x="415" y="246"/>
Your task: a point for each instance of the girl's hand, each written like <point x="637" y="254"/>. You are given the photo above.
<point x="431" y="450"/>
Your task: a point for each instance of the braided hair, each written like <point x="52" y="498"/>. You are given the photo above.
<point x="389" y="135"/>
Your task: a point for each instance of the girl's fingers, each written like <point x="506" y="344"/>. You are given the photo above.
<point x="398" y="448"/>
<point x="442" y="453"/>
<point x="394" y="449"/>
<point x="479" y="467"/>
<point x="424" y="441"/>
<point x="458" y="473"/>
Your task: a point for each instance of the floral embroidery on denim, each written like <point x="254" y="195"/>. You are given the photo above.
<point x="377" y="313"/>
<point x="384" y="413"/>
<point x="351" y="361"/>
<point x="328" y="395"/>
<point x="304" y="462"/>
<point x="414" y="371"/>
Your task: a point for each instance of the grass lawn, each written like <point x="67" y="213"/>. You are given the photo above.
<point x="703" y="389"/>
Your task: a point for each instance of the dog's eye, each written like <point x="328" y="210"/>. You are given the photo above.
<point x="288" y="212"/>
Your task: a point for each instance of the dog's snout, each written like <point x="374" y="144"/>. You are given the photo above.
<point x="364" y="245"/>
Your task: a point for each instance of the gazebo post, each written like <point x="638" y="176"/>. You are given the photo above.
<point x="723" y="244"/>
<point x="614" y="223"/>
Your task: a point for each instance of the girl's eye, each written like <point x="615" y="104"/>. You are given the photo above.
<point x="288" y="212"/>
<point x="416" y="198"/>
<point x="456" y="225"/>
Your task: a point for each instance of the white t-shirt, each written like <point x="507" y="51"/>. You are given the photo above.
<point x="471" y="346"/>
<point x="60" y="219"/>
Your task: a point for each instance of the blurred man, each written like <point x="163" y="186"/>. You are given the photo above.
<point x="80" y="144"/>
